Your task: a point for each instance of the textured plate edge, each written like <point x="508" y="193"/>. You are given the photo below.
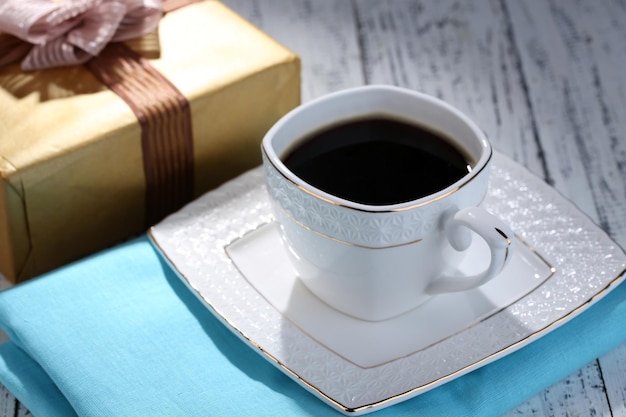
<point x="552" y="270"/>
<point x="366" y="408"/>
<point x="257" y="347"/>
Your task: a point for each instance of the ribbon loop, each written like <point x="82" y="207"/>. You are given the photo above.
<point x="71" y="32"/>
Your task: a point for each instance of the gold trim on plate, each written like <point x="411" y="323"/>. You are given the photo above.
<point x="535" y="335"/>
<point x="513" y="346"/>
<point x="551" y="268"/>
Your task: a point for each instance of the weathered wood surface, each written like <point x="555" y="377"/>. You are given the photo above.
<point x="10" y="407"/>
<point x="545" y="79"/>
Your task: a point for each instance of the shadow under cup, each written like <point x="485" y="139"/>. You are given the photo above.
<point x="372" y="262"/>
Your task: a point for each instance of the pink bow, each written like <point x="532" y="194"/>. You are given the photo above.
<point x="69" y="32"/>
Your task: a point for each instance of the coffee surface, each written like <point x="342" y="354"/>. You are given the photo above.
<point x="377" y="161"/>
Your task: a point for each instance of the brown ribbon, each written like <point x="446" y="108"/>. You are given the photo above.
<point x="164" y="115"/>
<point x="165" y="119"/>
<point x="12" y="49"/>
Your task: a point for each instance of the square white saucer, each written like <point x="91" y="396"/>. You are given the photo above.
<point x="369" y="344"/>
<point x="225" y="247"/>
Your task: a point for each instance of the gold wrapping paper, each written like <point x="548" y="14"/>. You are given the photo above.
<point x="70" y="149"/>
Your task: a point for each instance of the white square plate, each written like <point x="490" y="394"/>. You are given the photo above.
<point x="226" y="248"/>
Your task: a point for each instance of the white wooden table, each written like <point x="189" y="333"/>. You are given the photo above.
<point x="545" y="79"/>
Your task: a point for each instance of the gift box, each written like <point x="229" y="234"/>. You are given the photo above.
<point x="78" y="173"/>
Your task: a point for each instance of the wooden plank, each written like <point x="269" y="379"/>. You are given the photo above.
<point x="577" y="88"/>
<point x="322" y="32"/>
<point x="10" y="406"/>
<point x="458" y="51"/>
<point x="574" y="55"/>
<point x="4" y="282"/>
<point x="579" y="394"/>
<point x="7" y="402"/>
<point x="614" y="376"/>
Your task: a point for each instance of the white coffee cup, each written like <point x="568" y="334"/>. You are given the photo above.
<point x="375" y="262"/>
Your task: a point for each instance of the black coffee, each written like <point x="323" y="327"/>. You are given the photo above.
<point x="377" y="161"/>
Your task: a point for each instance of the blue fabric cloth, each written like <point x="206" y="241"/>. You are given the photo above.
<point x="119" y="335"/>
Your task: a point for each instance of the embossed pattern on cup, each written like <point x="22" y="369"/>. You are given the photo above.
<point x="363" y="228"/>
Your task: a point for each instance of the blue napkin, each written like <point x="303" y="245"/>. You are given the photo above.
<point x="119" y="335"/>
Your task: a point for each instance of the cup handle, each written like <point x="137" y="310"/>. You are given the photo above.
<point x="498" y="236"/>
